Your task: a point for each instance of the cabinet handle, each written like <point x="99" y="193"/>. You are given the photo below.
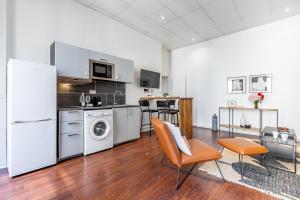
<point x="129" y="111"/>
<point x="70" y="135"/>
<point x="73" y="111"/>
<point x="73" y="123"/>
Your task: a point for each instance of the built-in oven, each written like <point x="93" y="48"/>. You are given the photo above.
<point x="101" y="70"/>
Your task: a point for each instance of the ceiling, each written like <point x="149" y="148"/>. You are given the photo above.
<point x="179" y="23"/>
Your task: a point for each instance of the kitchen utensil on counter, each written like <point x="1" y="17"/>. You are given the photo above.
<point x="82" y="100"/>
<point x="87" y="99"/>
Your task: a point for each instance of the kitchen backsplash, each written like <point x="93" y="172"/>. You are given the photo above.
<point x="68" y="95"/>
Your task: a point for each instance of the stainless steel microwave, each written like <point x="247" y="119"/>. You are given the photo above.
<point x="101" y="70"/>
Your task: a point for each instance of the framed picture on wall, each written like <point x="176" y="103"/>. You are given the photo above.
<point x="236" y="85"/>
<point x="260" y="83"/>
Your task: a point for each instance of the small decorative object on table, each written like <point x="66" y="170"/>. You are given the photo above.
<point x="243" y="121"/>
<point x="275" y="134"/>
<point x="248" y="125"/>
<point x="284" y="133"/>
<point x="231" y="103"/>
<point x="256" y="99"/>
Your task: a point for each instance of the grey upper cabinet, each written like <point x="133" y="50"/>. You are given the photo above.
<point x="134" y="118"/>
<point x="97" y="56"/>
<point x="69" y="60"/>
<point x="126" y="124"/>
<point x="120" y="125"/>
<point x="124" y="70"/>
<point x="74" y="62"/>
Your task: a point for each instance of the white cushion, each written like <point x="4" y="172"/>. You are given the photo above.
<point x="181" y="141"/>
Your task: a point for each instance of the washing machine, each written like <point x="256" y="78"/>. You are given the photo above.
<point x="98" y="130"/>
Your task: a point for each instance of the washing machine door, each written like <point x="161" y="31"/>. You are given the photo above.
<point x="100" y="129"/>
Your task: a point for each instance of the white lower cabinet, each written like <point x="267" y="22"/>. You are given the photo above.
<point x="70" y="130"/>
<point x="70" y="144"/>
<point x="126" y="124"/>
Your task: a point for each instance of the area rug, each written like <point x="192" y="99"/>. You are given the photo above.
<point x="280" y="184"/>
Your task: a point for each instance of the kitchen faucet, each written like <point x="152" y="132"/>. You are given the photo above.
<point x="118" y="92"/>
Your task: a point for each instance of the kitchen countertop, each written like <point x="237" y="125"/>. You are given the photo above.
<point x="95" y="108"/>
<point x="160" y="97"/>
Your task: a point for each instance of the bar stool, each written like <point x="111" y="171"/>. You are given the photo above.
<point x="163" y="108"/>
<point x="145" y="108"/>
<point x="173" y="111"/>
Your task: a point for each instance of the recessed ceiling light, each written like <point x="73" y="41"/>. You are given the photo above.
<point x="162" y="17"/>
<point x="287" y="10"/>
<point x="193" y="39"/>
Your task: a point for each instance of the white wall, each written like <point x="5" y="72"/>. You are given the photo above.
<point x="2" y="83"/>
<point x="35" y="24"/>
<point x="272" y="48"/>
<point x="38" y="23"/>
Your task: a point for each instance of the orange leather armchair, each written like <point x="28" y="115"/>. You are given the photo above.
<point x="201" y="152"/>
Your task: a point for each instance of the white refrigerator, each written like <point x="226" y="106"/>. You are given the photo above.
<point x="31" y="116"/>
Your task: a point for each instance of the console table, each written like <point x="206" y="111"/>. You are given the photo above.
<point x="230" y="125"/>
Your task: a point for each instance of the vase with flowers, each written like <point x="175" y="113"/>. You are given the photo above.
<point x="256" y="99"/>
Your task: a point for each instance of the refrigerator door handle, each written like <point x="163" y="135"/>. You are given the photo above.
<point x="32" y="121"/>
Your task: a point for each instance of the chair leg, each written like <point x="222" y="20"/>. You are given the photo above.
<point x="141" y="122"/>
<point x="242" y="172"/>
<point x="220" y="171"/>
<point x="150" y="115"/>
<point x="177" y="122"/>
<point x="222" y="150"/>
<point x="177" y="179"/>
<point x="163" y="159"/>
<point x="186" y="176"/>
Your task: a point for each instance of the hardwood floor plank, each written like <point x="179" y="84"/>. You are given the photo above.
<point x="129" y="171"/>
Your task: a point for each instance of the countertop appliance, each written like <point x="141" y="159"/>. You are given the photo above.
<point x="96" y="101"/>
<point x="101" y="70"/>
<point x="31" y="123"/>
<point x="98" y="130"/>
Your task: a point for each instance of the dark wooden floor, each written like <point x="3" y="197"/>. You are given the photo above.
<point x="129" y="171"/>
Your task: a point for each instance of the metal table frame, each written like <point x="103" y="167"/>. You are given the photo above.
<point x="231" y="117"/>
<point x="241" y="160"/>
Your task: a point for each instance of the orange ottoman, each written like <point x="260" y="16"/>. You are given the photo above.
<point x="242" y="147"/>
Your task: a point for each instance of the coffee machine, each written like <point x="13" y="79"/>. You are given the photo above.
<point x="96" y="101"/>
